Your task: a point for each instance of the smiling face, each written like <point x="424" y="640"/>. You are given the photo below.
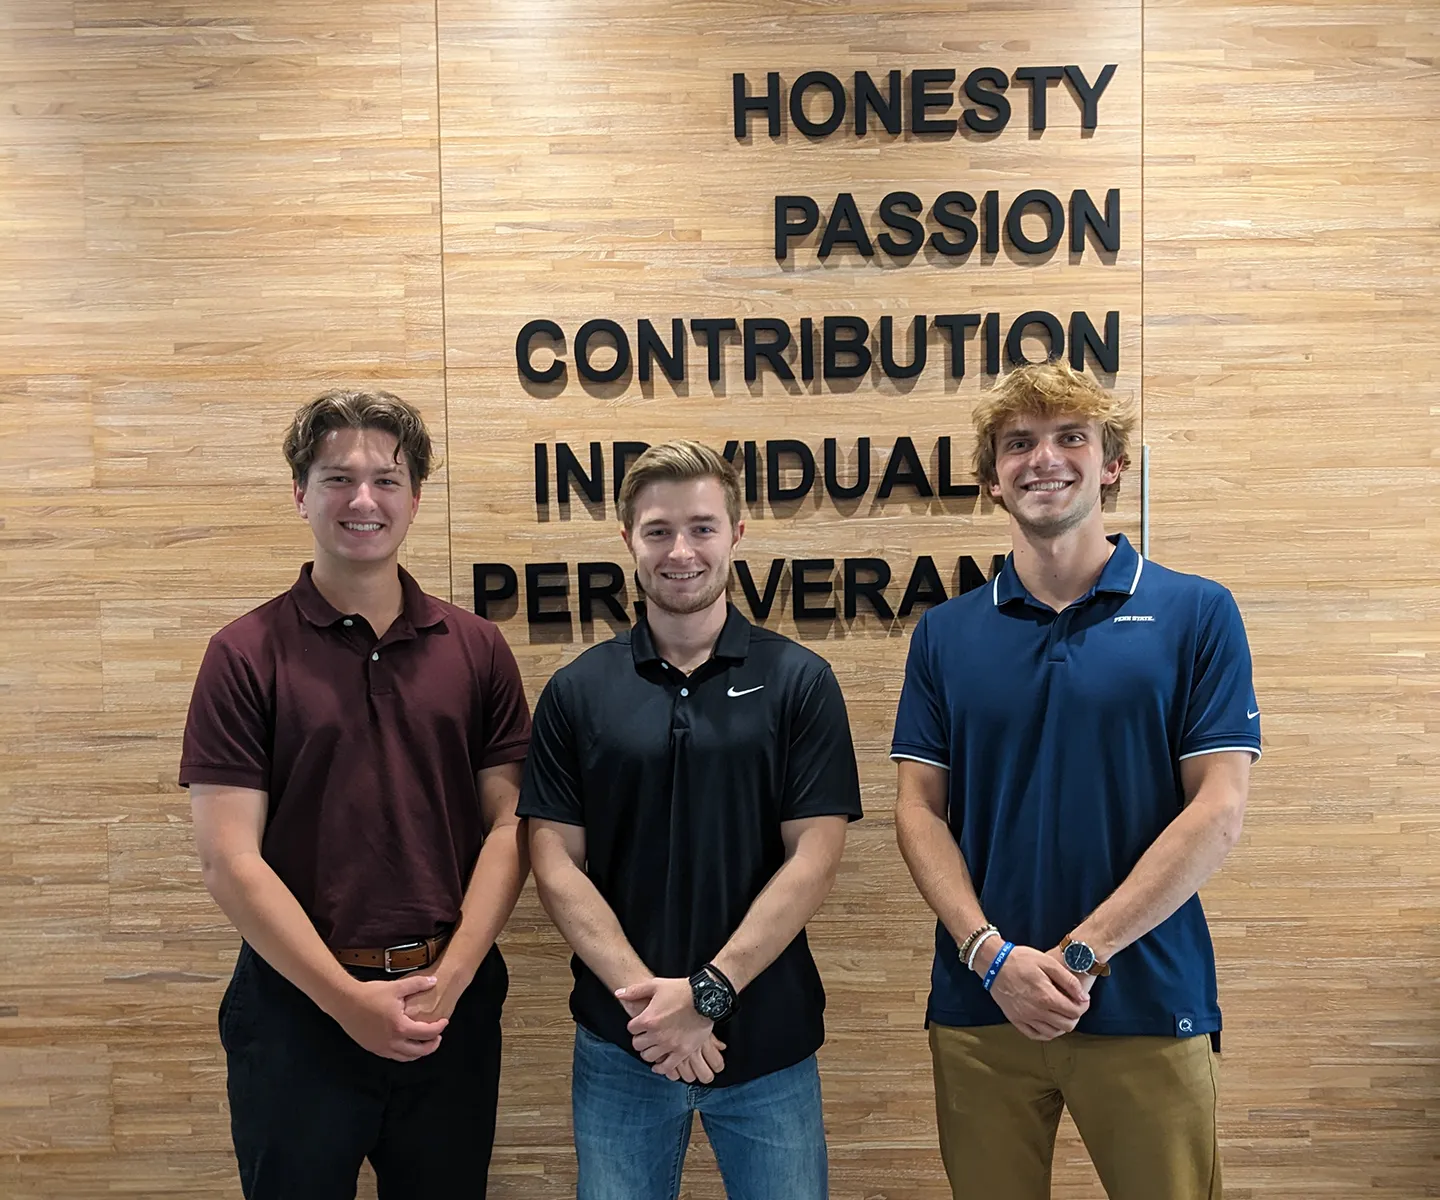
<point x="1049" y="472"/>
<point x="357" y="498"/>
<point x="682" y="540"/>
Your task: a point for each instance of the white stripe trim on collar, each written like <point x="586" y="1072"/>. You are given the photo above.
<point x="995" y="587"/>
<point x="1139" y="566"/>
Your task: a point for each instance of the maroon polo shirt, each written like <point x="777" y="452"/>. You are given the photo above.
<point x="367" y="749"/>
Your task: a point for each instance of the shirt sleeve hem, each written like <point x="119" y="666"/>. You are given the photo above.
<point x="541" y="814"/>
<point x="498" y="756"/>
<point x="223" y="776"/>
<point x="853" y="811"/>
<point x="898" y="755"/>
<point x="1252" y="750"/>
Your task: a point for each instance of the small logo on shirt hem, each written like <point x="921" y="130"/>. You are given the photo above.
<point x="746" y="692"/>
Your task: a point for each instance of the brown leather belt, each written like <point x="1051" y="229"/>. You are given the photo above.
<point x="396" y="960"/>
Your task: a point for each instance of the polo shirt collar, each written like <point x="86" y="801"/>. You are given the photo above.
<point x="733" y="642"/>
<point x="1120" y="575"/>
<point x="421" y="610"/>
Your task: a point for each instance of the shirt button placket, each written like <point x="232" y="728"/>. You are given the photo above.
<point x="680" y="714"/>
<point x="1058" y="650"/>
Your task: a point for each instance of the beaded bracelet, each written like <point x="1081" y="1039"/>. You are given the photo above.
<point x="970" y="942"/>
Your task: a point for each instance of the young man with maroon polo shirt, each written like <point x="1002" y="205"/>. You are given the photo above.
<point x="354" y="753"/>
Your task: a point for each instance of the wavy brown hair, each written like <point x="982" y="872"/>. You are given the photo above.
<point x="347" y="408"/>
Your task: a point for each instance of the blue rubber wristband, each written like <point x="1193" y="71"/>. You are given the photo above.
<point x="1000" y="957"/>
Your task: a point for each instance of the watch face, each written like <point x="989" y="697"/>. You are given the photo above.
<point x="1079" y="957"/>
<point x="711" y="1000"/>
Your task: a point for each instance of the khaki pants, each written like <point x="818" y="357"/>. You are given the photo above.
<point x="1145" y="1107"/>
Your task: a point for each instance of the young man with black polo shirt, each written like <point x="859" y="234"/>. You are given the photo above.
<point x="353" y="752"/>
<point x="1073" y="747"/>
<point x="687" y="790"/>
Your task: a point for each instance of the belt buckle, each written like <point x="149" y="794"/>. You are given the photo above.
<point x="402" y="946"/>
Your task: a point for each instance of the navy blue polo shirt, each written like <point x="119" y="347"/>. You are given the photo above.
<point x="1063" y="735"/>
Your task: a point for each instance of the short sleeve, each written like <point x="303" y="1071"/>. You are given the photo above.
<point x="507" y="716"/>
<point x="551" y="788"/>
<point x="921" y="730"/>
<point x="1221" y="713"/>
<point x="229" y="731"/>
<point x="821" y="776"/>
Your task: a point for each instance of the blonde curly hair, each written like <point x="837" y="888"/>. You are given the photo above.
<point x="1051" y="389"/>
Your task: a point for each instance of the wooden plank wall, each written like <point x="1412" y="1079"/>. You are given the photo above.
<point x="208" y="216"/>
<point x="1291" y="308"/>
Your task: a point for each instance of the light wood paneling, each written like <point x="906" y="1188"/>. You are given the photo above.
<point x="210" y="216"/>
<point x="1290" y="338"/>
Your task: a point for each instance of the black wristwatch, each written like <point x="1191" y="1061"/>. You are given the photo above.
<point x="713" y="994"/>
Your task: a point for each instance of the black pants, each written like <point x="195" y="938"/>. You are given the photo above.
<point x="308" y="1105"/>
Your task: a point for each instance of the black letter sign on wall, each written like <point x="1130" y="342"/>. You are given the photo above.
<point x="795" y="358"/>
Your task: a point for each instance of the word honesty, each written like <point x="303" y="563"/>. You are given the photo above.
<point x="911" y="107"/>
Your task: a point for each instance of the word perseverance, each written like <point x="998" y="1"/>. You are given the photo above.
<point x="810" y="582"/>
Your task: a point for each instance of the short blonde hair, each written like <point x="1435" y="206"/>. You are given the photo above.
<point x="1051" y="389"/>
<point x="678" y="462"/>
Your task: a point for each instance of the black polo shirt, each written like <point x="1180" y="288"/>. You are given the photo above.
<point x="681" y="783"/>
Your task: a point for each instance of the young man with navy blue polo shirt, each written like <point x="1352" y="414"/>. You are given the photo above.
<point x="688" y="787"/>
<point x="1073" y="747"/>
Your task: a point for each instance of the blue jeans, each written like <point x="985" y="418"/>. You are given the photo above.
<point x="632" y="1127"/>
